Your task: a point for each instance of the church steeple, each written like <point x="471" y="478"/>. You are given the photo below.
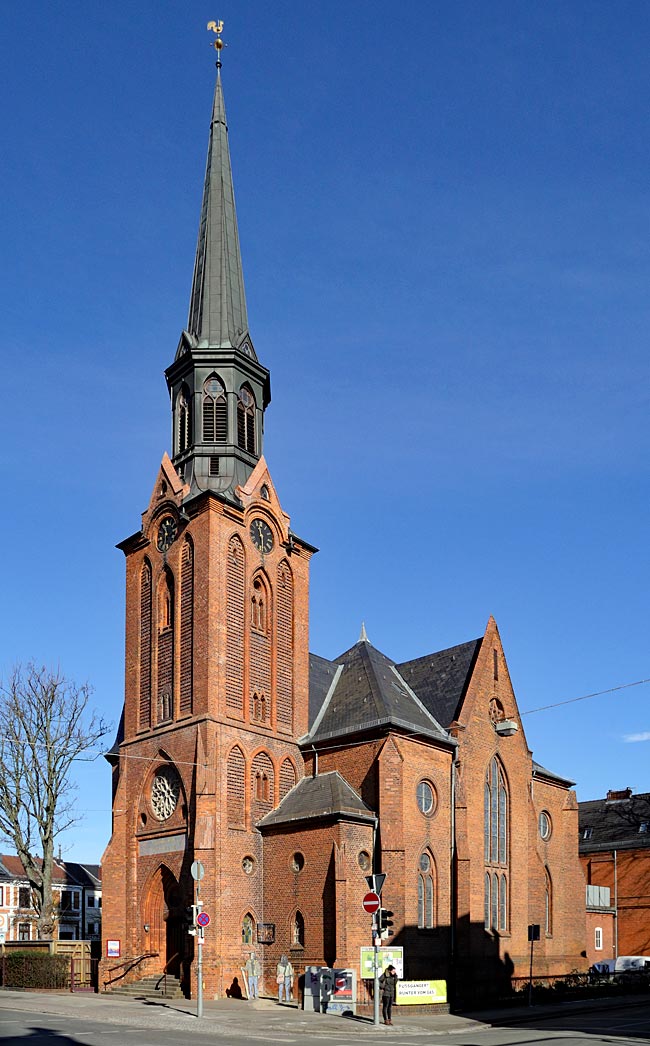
<point x="217" y="315"/>
<point x="218" y="388"/>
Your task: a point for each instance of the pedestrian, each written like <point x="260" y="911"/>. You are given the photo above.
<point x="284" y="977"/>
<point x="388" y="989"/>
<point x="253" y="971"/>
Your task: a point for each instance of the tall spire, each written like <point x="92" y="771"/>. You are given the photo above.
<point x="217" y="315"/>
<point x="218" y="388"/>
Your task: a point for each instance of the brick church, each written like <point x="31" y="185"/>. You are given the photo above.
<point x="289" y="776"/>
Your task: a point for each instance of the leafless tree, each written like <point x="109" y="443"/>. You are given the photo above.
<point x="44" y="728"/>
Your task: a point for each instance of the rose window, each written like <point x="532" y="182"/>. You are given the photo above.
<point x="165" y="790"/>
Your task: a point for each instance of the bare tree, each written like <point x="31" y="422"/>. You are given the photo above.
<point x="43" y="730"/>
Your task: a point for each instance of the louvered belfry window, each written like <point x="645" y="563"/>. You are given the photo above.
<point x="246" y="420"/>
<point x="215" y="411"/>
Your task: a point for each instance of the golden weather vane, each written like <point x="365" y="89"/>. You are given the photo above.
<point x="216" y="27"/>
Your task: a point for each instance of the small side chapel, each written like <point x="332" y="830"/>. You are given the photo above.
<point x="289" y="776"/>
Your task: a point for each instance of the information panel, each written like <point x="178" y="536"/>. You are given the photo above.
<point x="421" y="992"/>
<point x="385" y="957"/>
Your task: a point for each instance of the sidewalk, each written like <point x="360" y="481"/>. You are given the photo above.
<point x="257" y="1020"/>
<point x="252" y="1020"/>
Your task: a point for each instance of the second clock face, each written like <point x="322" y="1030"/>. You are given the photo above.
<point x="166" y="533"/>
<point x="261" y="535"/>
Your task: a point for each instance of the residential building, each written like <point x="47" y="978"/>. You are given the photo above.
<point x="76" y="892"/>
<point x="614" y="840"/>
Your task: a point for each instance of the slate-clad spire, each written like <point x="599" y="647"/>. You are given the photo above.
<point x="217" y="315"/>
<point x="218" y="388"/>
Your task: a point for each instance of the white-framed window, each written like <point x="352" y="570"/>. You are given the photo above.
<point x="598" y="938"/>
<point x="24" y="931"/>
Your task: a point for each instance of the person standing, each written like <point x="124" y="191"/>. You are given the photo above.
<point x="388" y="989"/>
<point x="253" y="971"/>
<point x="284" y="978"/>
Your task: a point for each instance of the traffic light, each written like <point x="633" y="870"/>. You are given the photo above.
<point x="385" y="922"/>
<point x="189" y="918"/>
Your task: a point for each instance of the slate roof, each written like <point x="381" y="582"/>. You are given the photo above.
<point x="217" y="315"/>
<point x="360" y="691"/>
<point x="541" y="771"/>
<point x="615" y="823"/>
<point x="440" y="680"/>
<point x="324" y="796"/>
<point x="87" y="875"/>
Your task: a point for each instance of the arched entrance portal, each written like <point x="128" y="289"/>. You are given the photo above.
<point x="163" y="914"/>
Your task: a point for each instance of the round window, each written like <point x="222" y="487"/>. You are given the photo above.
<point x="426" y="797"/>
<point x="364" y="860"/>
<point x="248" y="865"/>
<point x="297" y="862"/>
<point x="544" y="825"/>
<point x="165" y="791"/>
<point x="425" y="863"/>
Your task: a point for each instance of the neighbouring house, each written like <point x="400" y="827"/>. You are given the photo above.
<point x="77" y="897"/>
<point x="614" y="841"/>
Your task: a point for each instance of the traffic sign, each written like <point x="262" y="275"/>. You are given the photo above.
<point x="203" y="919"/>
<point x="371" y="903"/>
<point x="197" y="870"/>
<point x="376" y="882"/>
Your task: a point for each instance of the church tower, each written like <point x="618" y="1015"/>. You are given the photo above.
<point x="216" y="675"/>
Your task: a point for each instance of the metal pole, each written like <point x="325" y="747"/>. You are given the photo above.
<point x="530" y="981"/>
<point x="375" y="993"/>
<point x="199" y="965"/>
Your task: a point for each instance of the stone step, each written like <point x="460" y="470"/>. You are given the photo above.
<point x="152" y="986"/>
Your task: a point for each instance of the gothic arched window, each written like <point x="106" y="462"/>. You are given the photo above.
<point x="426" y="892"/>
<point x="215" y="411"/>
<point x="247" y="928"/>
<point x="548" y="903"/>
<point x="183" y="420"/>
<point x="246" y="420"/>
<point x="495" y="845"/>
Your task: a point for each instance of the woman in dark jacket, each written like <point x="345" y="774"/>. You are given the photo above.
<point x="388" y="988"/>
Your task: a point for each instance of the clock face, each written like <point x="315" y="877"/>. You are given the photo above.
<point x="166" y="533"/>
<point x="261" y="535"/>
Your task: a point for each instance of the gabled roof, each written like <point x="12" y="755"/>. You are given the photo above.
<point x="62" y="875"/>
<point x="440" y="680"/>
<point x="610" y="824"/>
<point x="313" y="798"/>
<point x="87" y="875"/>
<point x="362" y="691"/>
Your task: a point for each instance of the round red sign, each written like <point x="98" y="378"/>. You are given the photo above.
<point x="371" y="903"/>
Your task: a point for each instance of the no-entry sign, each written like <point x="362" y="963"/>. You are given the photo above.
<point x="371" y="903"/>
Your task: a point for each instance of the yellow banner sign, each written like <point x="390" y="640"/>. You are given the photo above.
<point x="421" y="992"/>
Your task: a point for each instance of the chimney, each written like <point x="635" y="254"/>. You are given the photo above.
<point x="618" y="797"/>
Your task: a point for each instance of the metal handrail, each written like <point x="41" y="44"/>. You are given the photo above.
<point x="163" y="976"/>
<point x="129" y="964"/>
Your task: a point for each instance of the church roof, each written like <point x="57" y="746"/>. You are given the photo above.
<point x="363" y="690"/>
<point x="440" y="680"/>
<point x="217" y="315"/>
<point x="326" y="795"/>
<point x="621" y="822"/>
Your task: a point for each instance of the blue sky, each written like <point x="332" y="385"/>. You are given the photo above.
<point x="445" y="214"/>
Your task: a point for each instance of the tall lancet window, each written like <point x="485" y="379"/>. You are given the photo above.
<point x="215" y="411"/>
<point x="183" y="420"/>
<point x="246" y="420"/>
<point x="496" y="847"/>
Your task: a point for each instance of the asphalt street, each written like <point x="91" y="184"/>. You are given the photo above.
<point x="39" y="1019"/>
